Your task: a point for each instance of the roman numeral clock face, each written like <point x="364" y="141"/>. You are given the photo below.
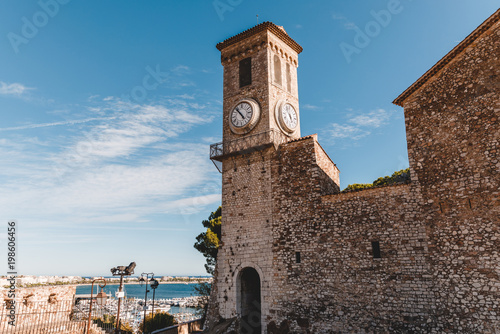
<point x="241" y="114"/>
<point x="244" y="116"/>
<point x="287" y="116"/>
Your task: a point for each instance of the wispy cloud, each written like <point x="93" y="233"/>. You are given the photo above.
<point x="348" y="24"/>
<point x="347" y="131"/>
<point x="373" y="119"/>
<point x="359" y="126"/>
<point x="15" y="89"/>
<point x="119" y="167"/>
<point x="310" y="107"/>
<point x="43" y="125"/>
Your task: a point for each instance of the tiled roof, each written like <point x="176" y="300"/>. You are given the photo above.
<point x="448" y="58"/>
<point x="300" y="139"/>
<point x="279" y="32"/>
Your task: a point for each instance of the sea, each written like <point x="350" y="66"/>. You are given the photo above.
<point x="163" y="291"/>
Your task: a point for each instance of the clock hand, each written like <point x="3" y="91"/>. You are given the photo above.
<point x="238" y="111"/>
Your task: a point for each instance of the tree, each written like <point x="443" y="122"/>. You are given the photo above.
<point x="400" y="176"/>
<point x="396" y="177"/>
<point x="158" y="321"/>
<point x="207" y="243"/>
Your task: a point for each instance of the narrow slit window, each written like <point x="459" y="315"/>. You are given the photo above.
<point x="297" y="257"/>
<point x="288" y="78"/>
<point x="245" y="72"/>
<point x="376" y="249"/>
<point x="277" y="70"/>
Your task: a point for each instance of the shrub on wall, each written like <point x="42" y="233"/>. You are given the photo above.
<point x="400" y="176"/>
<point x="158" y="321"/>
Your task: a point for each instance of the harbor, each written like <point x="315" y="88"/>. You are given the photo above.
<point x="132" y="310"/>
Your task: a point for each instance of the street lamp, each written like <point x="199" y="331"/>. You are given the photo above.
<point x="100" y="299"/>
<point x="141" y="282"/>
<point x="154" y="285"/>
<point x="121" y="271"/>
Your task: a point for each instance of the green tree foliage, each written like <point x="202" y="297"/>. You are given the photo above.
<point x="207" y="243"/>
<point x="108" y="322"/>
<point x="158" y="321"/>
<point x="357" y="186"/>
<point x="400" y="176"/>
<point x="203" y="290"/>
<point x="396" y="177"/>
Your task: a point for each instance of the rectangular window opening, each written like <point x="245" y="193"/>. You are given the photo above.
<point x="288" y="78"/>
<point x="245" y="72"/>
<point x="376" y="249"/>
<point x="297" y="257"/>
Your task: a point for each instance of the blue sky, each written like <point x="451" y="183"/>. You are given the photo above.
<point x="107" y="110"/>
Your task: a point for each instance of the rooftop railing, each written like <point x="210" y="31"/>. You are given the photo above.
<point x="247" y="144"/>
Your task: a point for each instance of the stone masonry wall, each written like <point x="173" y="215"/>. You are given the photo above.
<point x="453" y="134"/>
<point x="439" y="236"/>
<point x="39" y="308"/>
<point x="246" y="228"/>
<point x="338" y="286"/>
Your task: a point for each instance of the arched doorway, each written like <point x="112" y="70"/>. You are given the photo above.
<point x="249" y="301"/>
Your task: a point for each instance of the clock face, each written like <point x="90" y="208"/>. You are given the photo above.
<point x="241" y="114"/>
<point x="288" y="117"/>
<point x="244" y="116"/>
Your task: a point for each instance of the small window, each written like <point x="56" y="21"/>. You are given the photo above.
<point x="288" y="78"/>
<point x="277" y="70"/>
<point x="376" y="249"/>
<point x="245" y="72"/>
<point x="297" y="257"/>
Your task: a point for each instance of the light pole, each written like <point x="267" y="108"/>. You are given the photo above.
<point x="154" y="285"/>
<point x="100" y="299"/>
<point x="121" y="271"/>
<point x="142" y="281"/>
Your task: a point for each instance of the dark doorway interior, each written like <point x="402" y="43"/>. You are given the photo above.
<point x="250" y="302"/>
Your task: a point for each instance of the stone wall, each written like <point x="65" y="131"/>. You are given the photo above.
<point x="422" y="257"/>
<point x="338" y="284"/>
<point x="453" y="134"/>
<point x="246" y="227"/>
<point x="40" y="309"/>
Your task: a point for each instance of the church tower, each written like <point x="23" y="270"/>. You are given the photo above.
<point x="260" y="112"/>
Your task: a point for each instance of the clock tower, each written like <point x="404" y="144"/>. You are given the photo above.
<point x="260" y="112"/>
<point x="260" y="85"/>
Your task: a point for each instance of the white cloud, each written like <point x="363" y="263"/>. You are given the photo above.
<point x="347" y="131"/>
<point x="43" y="125"/>
<point x="310" y="107"/>
<point x="359" y="126"/>
<point x="15" y="89"/>
<point x="374" y="118"/>
<point x="345" y="21"/>
<point x="122" y="167"/>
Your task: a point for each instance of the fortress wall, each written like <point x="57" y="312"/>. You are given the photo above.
<point x="338" y="284"/>
<point x="453" y="133"/>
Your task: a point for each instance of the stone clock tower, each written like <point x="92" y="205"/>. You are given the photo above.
<point x="260" y="112"/>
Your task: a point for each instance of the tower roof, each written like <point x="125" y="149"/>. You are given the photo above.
<point x="277" y="30"/>
<point x="469" y="40"/>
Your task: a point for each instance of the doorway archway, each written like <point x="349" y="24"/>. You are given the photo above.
<point x="249" y="301"/>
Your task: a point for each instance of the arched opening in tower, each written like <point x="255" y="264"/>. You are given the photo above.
<point x="250" y="302"/>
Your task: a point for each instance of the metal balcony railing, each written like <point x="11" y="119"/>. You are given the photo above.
<point x="246" y="144"/>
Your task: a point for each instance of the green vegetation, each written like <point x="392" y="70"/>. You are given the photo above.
<point x="158" y="321"/>
<point x="207" y="243"/>
<point x="108" y="322"/>
<point x="203" y="290"/>
<point x="357" y="186"/>
<point x="400" y="176"/>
